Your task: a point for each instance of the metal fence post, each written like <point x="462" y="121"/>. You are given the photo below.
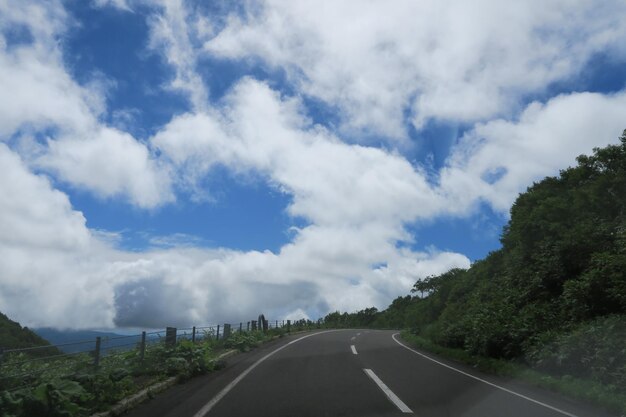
<point x="142" y="347"/>
<point x="217" y="335"/>
<point x="240" y="326"/>
<point x="193" y="334"/>
<point x="170" y="336"/>
<point x="96" y="356"/>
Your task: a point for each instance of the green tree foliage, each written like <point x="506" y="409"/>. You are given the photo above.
<point x="363" y="318"/>
<point x="562" y="262"/>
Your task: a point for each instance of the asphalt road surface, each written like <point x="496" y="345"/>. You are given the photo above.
<point x="354" y="373"/>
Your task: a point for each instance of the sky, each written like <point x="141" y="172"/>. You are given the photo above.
<point x="177" y="163"/>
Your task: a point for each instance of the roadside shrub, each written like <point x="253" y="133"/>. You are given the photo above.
<point x="244" y="341"/>
<point x="594" y="350"/>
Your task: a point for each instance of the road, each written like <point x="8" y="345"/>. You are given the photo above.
<point x="354" y="373"/>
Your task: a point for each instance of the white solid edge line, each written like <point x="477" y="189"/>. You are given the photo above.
<point x="482" y="380"/>
<point x="353" y="349"/>
<point x="389" y="393"/>
<point x="208" y="406"/>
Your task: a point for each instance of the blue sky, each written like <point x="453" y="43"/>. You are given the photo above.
<point x="321" y="156"/>
<point x="112" y="43"/>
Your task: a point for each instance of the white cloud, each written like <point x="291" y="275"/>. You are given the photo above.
<point x="38" y="93"/>
<point x="332" y="183"/>
<point x="173" y="36"/>
<point x="28" y="204"/>
<point x="44" y="20"/>
<point x="356" y="198"/>
<point x="118" y="4"/>
<point x="450" y="60"/>
<point x="430" y="57"/>
<point x="109" y="163"/>
<point x="546" y="137"/>
<point x="41" y="98"/>
<point x="47" y="252"/>
<point x="175" y="240"/>
<point x="330" y="264"/>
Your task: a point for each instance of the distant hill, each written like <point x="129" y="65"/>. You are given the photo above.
<point x="69" y="337"/>
<point x="14" y="336"/>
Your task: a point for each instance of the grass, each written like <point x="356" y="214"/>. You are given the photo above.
<point x="607" y="396"/>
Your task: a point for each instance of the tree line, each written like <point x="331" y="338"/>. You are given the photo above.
<point x="557" y="286"/>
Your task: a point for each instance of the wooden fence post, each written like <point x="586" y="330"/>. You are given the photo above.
<point x="217" y="335"/>
<point x="170" y="336"/>
<point x="96" y="356"/>
<point x="193" y="334"/>
<point x="142" y="347"/>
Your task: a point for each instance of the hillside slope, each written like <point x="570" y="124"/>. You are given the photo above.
<point x="14" y="336"/>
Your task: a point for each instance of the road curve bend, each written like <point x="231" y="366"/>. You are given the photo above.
<point x="354" y="373"/>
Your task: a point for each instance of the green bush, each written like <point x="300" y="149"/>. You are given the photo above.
<point x="610" y="396"/>
<point x="71" y="386"/>
<point x="56" y="398"/>
<point x="246" y="341"/>
<point x="595" y="350"/>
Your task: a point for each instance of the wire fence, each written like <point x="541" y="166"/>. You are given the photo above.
<point x="20" y="367"/>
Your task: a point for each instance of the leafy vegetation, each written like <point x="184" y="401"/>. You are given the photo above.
<point x="71" y="385"/>
<point x="249" y="340"/>
<point x="552" y="298"/>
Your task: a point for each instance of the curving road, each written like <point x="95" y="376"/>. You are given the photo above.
<point x="354" y="373"/>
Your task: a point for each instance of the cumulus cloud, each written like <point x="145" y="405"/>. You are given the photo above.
<point x="40" y="98"/>
<point x="330" y="264"/>
<point x="497" y="160"/>
<point x="356" y="198"/>
<point x="37" y="91"/>
<point x="450" y="60"/>
<point x="109" y="163"/>
<point x="332" y="183"/>
<point x="47" y="252"/>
